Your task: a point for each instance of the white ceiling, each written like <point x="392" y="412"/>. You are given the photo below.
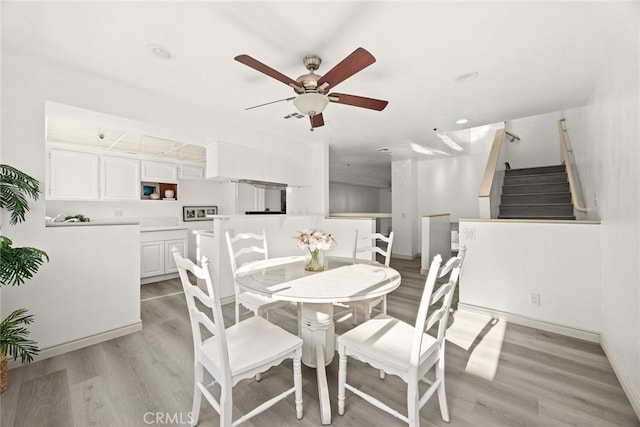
<point x="531" y="57"/>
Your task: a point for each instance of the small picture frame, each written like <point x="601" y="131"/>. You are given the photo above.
<point x="198" y="213"/>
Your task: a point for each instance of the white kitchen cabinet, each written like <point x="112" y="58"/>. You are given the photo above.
<point x="73" y="175"/>
<point x="152" y="258"/>
<point x="156" y="258"/>
<point x="187" y="171"/>
<point x="169" y="262"/>
<point x="119" y="178"/>
<point x="153" y="171"/>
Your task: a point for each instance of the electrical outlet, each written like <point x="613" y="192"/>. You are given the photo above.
<point x="535" y="299"/>
<point x="469" y="233"/>
<point x="119" y="212"/>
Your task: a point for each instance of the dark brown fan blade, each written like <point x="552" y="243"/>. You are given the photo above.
<point x="316" y="120"/>
<point x="259" y="66"/>
<point x="357" y="61"/>
<point x="358" y="101"/>
<point x="272" y="102"/>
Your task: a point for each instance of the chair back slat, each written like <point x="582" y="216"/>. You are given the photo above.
<point x="369" y="243"/>
<point x="214" y="321"/>
<point x="423" y="309"/>
<point x="452" y="262"/>
<point x="242" y="245"/>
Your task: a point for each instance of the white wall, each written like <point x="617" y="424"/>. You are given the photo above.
<point x="508" y="261"/>
<point x="346" y="198"/>
<point x="451" y="185"/>
<point x="79" y="293"/>
<point x="539" y="143"/>
<point x="404" y="213"/>
<point x="608" y="156"/>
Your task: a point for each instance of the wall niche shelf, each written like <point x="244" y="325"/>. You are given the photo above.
<point x="159" y="188"/>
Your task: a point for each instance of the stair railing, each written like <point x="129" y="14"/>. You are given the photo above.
<point x="569" y="165"/>
<point x="491" y="186"/>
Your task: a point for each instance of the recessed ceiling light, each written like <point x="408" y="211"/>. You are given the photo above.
<point x="466" y="77"/>
<point x="462" y="121"/>
<point x="160" y="51"/>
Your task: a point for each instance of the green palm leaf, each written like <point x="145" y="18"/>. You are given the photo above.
<point x="13" y="336"/>
<point x="18" y="264"/>
<point x="15" y="187"/>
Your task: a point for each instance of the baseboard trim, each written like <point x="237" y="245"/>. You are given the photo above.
<point x="568" y="331"/>
<point x="405" y="257"/>
<point x="633" y="394"/>
<point x="59" y="349"/>
<point x="153" y="279"/>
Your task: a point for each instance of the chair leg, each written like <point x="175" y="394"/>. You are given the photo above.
<point x="342" y="379"/>
<point x="197" y="393"/>
<point x="226" y="405"/>
<point x="442" y="392"/>
<point x="299" y="316"/>
<point x="237" y="311"/>
<point x="384" y="304"/>
<point x="413" y="404"/>
<point x="297" y="382"/>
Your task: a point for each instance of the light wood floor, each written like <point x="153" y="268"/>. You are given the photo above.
<point x="497" y="375"/>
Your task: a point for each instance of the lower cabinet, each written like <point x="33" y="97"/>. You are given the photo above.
<point x="156" y="252"/>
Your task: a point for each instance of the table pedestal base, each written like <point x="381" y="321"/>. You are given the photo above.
<point x="317" y="328"/>
<point x="318" y="349"/>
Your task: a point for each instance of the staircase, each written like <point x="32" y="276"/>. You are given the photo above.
<point x="536" y="193"/>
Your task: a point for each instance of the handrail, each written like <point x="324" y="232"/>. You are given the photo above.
<point x="565" y="155"/>
<point x="492" y="164"/>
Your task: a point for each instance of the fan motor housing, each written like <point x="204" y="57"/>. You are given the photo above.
<point x="309" y="81"/>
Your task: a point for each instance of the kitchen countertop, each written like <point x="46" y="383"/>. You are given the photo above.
<point x="162" y="228"/>
<point x="89" y="224"/>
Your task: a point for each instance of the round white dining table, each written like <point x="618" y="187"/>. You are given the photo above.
<point x="285" y="279"/>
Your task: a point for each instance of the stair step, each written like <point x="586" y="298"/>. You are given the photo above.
<point x="536" y="178"/>
<point x="560" y="218"/>
<point x="535" y="198"/>
<point x="536" y="188"/>
<point x="536" y="170"/>
<point x="557" y="209"/>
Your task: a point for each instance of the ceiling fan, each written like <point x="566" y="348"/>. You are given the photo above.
<point x="313" y="89"/>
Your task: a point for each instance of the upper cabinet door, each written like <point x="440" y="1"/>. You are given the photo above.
<point x="120" y="178"/>
<point x="191" y="171"/>
<point x="73" y="175"/>
<point x="159" y="171"/>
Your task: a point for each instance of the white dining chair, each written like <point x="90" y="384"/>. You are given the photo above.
<point x="245" y="248"/>
<point x="369" y="244"/>
<point x="242" y="351"/>
<point x="397" y="348"/>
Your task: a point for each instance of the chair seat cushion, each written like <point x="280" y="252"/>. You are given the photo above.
<point x="255" y="301"/>
<point x="387" y="340"/>
<point x="250" y="344"/>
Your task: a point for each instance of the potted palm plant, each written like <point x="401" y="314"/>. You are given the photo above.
<point x="17" y="264"/>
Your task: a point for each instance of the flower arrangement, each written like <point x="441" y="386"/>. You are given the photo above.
<point x="315" y="242"/>
<point x="312" y="240"/>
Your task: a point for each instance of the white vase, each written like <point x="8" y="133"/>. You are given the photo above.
<point x="168" y="194"/>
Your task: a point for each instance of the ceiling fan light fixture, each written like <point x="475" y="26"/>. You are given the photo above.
<point x="311" y="103"/>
